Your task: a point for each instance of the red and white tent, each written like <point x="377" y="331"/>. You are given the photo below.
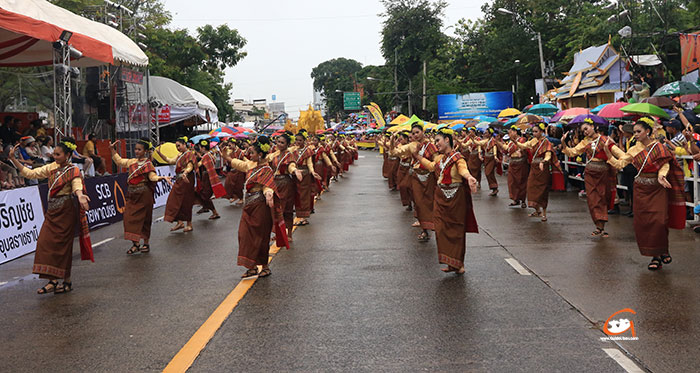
<point x="29" y="27"/>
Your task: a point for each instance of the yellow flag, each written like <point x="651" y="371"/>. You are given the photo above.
<point x="376" y="112"/>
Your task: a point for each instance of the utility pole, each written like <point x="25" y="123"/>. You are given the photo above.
<point x="410" y="92"/>
<point x="539" y="44"/>
<point x="425" y="69"/>
<point x="396" y="77"/>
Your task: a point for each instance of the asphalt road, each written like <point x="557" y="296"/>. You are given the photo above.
<point x="357" y="293"/>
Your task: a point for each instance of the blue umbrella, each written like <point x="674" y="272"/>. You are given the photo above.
<point x="198" y="138"/>
<point x="458" y="126"/>
<point x="510" y="122"/>
<point x="483" y="125"/>
<point x="543" y="110"/>
<point x="598" y="108"/>
<point x="485" y="118"/>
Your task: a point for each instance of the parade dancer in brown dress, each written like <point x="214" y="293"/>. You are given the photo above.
<point x="490" y="159"/>
<point x="305" y="164"/>
<point x="454" y="212"/>
<point x="138" y="212"/>
<point x="178" y="209"/>
<point x="53" y="258"/>
<point x="283" y="162"/>
<point x="518" y="167"/>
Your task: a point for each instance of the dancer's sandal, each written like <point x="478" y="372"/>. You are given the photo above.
<point x="544" y="218"/>
<point x="423" y="237"/>
<point x="523" y="205"/>
<point x="46" y="289"/>
<point x="135" y="249"/>
<point x="666" y="259"/>
<point x="600" y="232"/>
<point x="177" y="227"/>
<point x="188" y="229"/>
<point x="214" y="217"/>
<point x="250" y="273"/>
<point x="265" y="272"/>
<point x="145" y="248"/>
<point x="65" y="287"/>
<point x="535" y="214"/>
<point x="513" y="204"/>
<point x="655" y="264"/>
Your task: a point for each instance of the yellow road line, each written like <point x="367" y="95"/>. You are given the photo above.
<point x="184" y="359"/>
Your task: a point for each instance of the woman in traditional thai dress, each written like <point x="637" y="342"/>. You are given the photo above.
<point x="53" y="258"/>
<point x="659" y="202"/>
<point x="383" y="142"/>
<point x="490" y="158"/>
<point x="138" y="212"/>
<point x="305" y="163"/>
<point x="600" y="179"/>
<point x="234" y="178"/>
<point x="422" y="181"/>
<point x="453" y="211"/>
<point x="260" y="209"/>
<point x="518" y="167"/>
<point x="403" y="176"/>
<point x="475" y="159"/>
<point x="283" y="162"/>
<point x="544" y="168"/>
<point x="392" y="162"/>
<point x="208" y="183"/>
<point x="178" y="209"/>
<point x="323" y="166"/>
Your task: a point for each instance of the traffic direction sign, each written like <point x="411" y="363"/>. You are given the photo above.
<point x="352" y="101"/>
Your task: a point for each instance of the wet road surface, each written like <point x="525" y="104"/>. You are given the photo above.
<point x="358" y="292"/>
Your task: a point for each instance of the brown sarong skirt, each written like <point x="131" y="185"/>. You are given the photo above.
<point x="423" y="193"/>
<point x="254" y="233"/>
<point x="205" y="192"/>
<point x="474" y="165"/>
<point x="180" y="200"/>
<point x="54" y="247"/>
<point x="138" y="213"/>
<point x="518" y="171"/>
<point x="450" y="232"/>
<point x="490" y="171"/>
<point x="234" y="184"/>
<point x="403" y="180"/>
<point x="392" y="169"/>
<point x="598" y="190"/>
<point x="303" y="195"/>
<point x="385" y="164"/>
<point x="650" y="208"/>
<point x="286" y="189"/>
<point x="538" y="184"/>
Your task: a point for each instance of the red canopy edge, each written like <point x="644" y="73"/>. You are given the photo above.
<point x="24" y="25"/>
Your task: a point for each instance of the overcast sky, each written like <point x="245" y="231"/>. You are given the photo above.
<point x="286" y="39"/>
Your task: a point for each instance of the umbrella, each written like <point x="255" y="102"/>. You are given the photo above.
<point x="543" y="109"/>
<point x="598" y="108"/>
<point x="168" y="149"/>
<point x="225" y="130"/>
<point x="660" y="101"/>
<point x="240" y="136"/>
<point x="596" y="119"/>
<point x="457" y="126"/>
<point x="528" y="119"/>
<point x="570" y="113"/>
<point x="485" y="118"/>
<point x="526" y="108"/>
<point x="401" y="119"/>
<point x="510" y="112"/>
<point x="645" y="109"/>
<point x="611" y="111"/>
<point x="483" y="125"/>
<point x="399" y="128"/>
<point x="678" y="88"/>
<point x="198" y="138"/>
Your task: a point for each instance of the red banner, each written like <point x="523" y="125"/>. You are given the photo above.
<point x="690" y="52"/>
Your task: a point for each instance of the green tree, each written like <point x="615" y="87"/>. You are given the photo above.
<point x="223" y="46"/>
<point x="335" y="75"/>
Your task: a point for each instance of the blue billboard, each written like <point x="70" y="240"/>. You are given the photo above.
<point x="451" y="107"/>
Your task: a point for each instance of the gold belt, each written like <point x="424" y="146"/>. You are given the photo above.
<point x="597" y="166"/>
<point x="517" y="160"/>
<point x="252" y="197"/>
<point x="421" y="171"/>
<point x="57" y="202"/>
<point x="537" y="160"/>
<point x="138" y="188"/>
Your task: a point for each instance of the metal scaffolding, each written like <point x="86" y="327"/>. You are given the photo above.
<point x="63" y="109"/>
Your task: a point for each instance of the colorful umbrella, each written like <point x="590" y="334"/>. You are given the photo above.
<point x="168" y="149"/>
<point x="528" y="119"/>
<point x="645" y="109"/>
<point x="612" y="111"/>
<point x="660" y="101"/>
<point x="678" y="88"/>
<point x="510" y="112"/>
<point x="543" y="109"/>
<point x="485" y="118"/>
<point x="483" y="125"/>
<point x="598" y="108"/>
<point x="592" y="117"/>
<point x="198" y="138"/>
<point x="526" y="108"/>
<point x="570" y="114"/>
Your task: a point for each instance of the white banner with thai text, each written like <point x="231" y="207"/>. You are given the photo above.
<point x="21" y="217"/>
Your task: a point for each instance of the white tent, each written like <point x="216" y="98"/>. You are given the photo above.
<point x="29" y="27"/>
<point x="181" y="102"/>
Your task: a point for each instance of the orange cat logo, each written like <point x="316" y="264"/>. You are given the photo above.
<point x="621" y="325"/>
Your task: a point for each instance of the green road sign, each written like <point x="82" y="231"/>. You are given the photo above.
<point x="352" y="101"/>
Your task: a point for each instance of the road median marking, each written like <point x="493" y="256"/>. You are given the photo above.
<point x="102" y="242"/>
<point x="625" y="362"/>
<point x="518" y="267"/>
<point x="184" y="359"/>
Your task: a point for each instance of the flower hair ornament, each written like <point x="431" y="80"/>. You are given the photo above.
<point x="588" y="121"/>
<point x="541" y="126"/>
<point x="69" y="145"/>
<point x="184" y="139"/>
<point x="446" y="131"/>
<point x="648" y="121"/>
<point x="265" y="147"/>
<point x="149" y="145"/>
